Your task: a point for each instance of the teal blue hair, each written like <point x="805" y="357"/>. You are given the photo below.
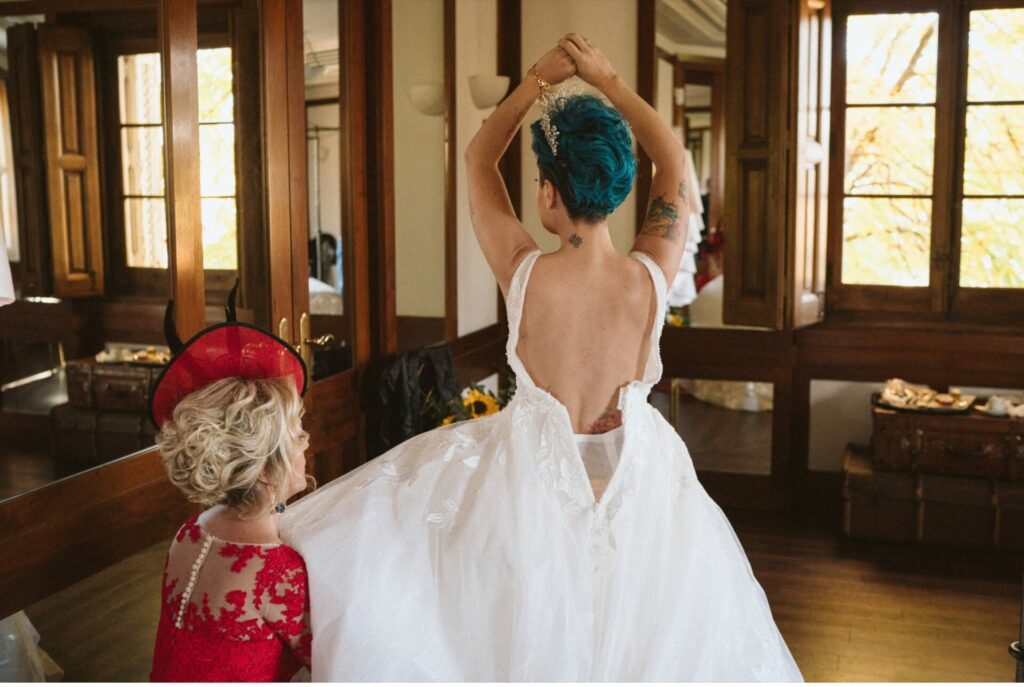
<point x="595" y="166"/>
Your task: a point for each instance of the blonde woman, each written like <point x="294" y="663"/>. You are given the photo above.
<point x="234" y="598"/>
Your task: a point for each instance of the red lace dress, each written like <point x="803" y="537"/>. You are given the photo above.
<point x="231" y="612"/>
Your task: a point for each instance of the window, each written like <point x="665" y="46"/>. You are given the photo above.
<point x="927" y="208"/>
<point x="142" y="159"/>
<point x="8" y="208"/>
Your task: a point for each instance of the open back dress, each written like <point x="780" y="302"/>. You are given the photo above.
<point x="477" y="552"/>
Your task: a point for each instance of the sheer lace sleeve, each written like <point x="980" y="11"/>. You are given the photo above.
<point x="281" y="592"/>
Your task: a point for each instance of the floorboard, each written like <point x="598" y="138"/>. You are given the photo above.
<point x="850" y="611"/>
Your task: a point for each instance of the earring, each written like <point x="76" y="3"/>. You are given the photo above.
<point x="279" y="508"/>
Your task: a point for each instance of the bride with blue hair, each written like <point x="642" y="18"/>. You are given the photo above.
<point x="566" y="538"/>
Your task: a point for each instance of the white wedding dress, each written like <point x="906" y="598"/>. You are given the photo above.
<point x="476" y="552"/>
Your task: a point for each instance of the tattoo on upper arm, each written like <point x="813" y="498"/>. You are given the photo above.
<point x="662" y="219"/>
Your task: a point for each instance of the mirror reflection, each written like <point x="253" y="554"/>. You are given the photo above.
<point x="325" y="168"/>
<point x="82" y="204"/>
<point x="690" y="94"/>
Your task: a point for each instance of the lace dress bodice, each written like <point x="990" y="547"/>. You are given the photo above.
<point x="231" y="612"/>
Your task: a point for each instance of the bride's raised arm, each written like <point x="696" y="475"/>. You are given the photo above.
<point x="501" y="235"/>
<point x="663" y="235"/>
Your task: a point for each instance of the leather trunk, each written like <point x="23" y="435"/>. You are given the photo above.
<point x="877" y="505"/>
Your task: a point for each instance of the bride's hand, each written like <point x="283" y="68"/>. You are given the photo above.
<point x="591" y="64"/>
<point x="555" y="66"/>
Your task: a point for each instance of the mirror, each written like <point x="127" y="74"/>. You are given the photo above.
<point x="422" y="115"/>
<point x="82" y="204"/>
<point x="330" y="303"/>
<point x="690" y="95"/>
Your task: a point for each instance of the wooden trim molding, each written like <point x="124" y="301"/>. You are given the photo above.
<point x="451" y="157"/>
<point x="179" y="41"/>
<point x="646" y="66"/>
<point x="62" y="533"/>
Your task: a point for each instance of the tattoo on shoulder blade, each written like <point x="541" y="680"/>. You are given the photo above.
<point x="662" y="219"/>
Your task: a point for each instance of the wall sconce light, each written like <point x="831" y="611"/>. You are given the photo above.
<point x="487" y="90"/>
<point x="814" y="152"/>
<point x="428" y="98"/>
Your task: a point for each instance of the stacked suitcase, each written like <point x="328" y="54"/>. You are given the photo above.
<point x="954" y="480"/>
<point x="106" y="415"/>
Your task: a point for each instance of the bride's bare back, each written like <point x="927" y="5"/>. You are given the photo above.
<point x="585" y="332"/>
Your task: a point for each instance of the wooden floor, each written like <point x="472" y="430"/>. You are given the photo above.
<point x="849" y="611"/>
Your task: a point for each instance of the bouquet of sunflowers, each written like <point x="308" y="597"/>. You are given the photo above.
<point x="476" y="401"/>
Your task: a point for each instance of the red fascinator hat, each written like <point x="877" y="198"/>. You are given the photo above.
<point x="229" y="349"/>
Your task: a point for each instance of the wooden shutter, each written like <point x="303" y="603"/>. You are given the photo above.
<point x="777" y="133"/>
<point x="810" y="166"/>
<point x="72" y="160"/>
<point x="29" y="160"/>
<point x="757" y="46"/>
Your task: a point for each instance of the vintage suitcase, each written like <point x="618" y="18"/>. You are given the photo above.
<point x="118" y="434"/>
<point x="892" y="440"/>
<point x="877" y="505"/>
<point x="971" y="444"/>
<point x="74" y="434"/>
<point x="78" y="374"/>
<point x="109" y="386"/>
<point x="122" y="388"/>
<point x="956" y="511"/>
<point x="1010" y="516"/>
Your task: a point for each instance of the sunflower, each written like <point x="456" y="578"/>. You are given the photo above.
<point x="480" y="403"/>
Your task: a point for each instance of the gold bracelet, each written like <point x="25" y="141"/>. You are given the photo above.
<point x="541" y="83"/>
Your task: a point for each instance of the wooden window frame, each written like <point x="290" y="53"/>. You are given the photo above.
<point x="943" y="299"/>
<point x="148" y="282"/>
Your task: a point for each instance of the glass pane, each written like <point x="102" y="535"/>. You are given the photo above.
<point x="889" y="150"/>
<point x="138" y="78"/>
<point x="220" y="223"/>
<point x="142" y="160"/>
<point x="891" y="58"/>
<point x="217" y="159"/>
<point x="996" y="54"/>
<point x="727" y="425"/>
<point x="886" y="241"/>
<point x="994" y="150"/>
<point x="145" y="228"/>
<point x="216" y="100"/>
<point x="992" y="243"/>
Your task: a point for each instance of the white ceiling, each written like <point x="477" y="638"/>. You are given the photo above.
<point x="320" y="32"/>
<point x="695" y="27"/>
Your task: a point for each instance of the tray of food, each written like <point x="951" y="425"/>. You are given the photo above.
<point x="900" y="395"/>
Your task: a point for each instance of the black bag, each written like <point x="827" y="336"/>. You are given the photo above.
<point x="409" y="395"/>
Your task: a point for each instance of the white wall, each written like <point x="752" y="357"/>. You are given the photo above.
<point x="611" y="24"/>
<point x="418" y="45"/>
<point x="476" y="52"/>
<point x="840" y="414"/>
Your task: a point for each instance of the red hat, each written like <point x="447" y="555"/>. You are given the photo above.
<point x="228" y="349"/>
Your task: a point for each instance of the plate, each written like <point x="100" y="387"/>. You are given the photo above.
<point x="963" y="405"/>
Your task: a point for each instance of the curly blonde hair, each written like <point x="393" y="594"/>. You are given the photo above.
<point x="222" y="438"/>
